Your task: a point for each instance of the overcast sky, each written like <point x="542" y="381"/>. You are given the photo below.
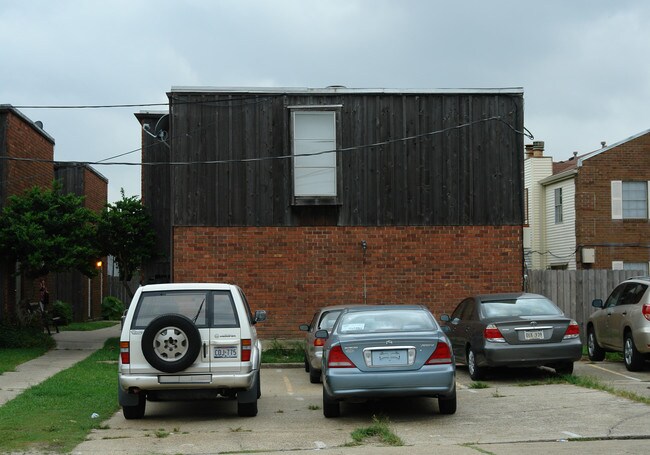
<point x="584" y="65"/>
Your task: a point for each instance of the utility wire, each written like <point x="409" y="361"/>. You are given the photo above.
<point x="266" y="158"/>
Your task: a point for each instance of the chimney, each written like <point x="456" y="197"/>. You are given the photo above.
<point x="538" y="149"/>
<point x="529" y="151"/>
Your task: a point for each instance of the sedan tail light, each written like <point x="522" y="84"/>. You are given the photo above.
<point x="245" y="350"/>
<point x="338" y="359"/>
<point x="441" y="355"/>
<point x="319" y="341"/>
<point x="573" y="331"/>
<point x="646" y="311"/>
<point x="493" y="334"/>
<point x="125" y="355"/>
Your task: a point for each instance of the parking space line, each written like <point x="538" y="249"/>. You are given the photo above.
<point x="613" y="372"/>
<point x="572" y="435"/>
<point x="288" y="385"/>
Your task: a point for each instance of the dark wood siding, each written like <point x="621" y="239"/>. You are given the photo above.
<point x="442" y="159"/>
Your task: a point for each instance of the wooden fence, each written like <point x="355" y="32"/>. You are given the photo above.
<point x="574" y="290"/>
<point x="115" y="288"/>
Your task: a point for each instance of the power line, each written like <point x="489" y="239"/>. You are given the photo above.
<point x="265" y="158"/>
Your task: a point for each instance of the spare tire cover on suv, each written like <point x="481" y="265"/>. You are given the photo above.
<point x="171" y="343"/>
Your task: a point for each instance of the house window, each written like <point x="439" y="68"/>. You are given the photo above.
<point x="314" y="172"/>
<point x="629" y="200"/>
<point x="558" y="205"/>
<point x="635" y="200"/>
<point x="643" y="266"/>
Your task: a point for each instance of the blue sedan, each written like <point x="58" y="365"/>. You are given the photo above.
<point x="387" y="351"/>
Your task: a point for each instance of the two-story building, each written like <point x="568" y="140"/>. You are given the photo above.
<point x="591" y="211"/>
<point x="313" y="197"/>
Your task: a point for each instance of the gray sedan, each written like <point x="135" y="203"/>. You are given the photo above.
<point x="512" y="330"/>
<point x="387" y="351"/>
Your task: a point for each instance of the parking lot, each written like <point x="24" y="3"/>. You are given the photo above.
<point x="506" y="417"/>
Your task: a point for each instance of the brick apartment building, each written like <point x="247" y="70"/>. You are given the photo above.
<point x="20" y="137"/>
<point x="592" y="211"/>
<point x="421" y="203"/>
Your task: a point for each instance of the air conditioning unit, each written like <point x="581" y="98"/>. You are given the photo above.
<point x="588" y="255"/>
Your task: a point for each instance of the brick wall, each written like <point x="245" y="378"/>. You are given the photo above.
<point x="290" y="272"/>
<point x="22" y="140"/>
<point x="629" y="161"/>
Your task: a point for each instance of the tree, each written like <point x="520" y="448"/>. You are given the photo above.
<point x="46" y="231"/>
<point x="125" y="231"/>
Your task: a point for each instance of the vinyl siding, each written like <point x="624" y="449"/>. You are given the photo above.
<point x="536" y="169"/>
<point x="560" y="238"/>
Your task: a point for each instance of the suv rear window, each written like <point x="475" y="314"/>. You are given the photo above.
<point x="206" y="309"/>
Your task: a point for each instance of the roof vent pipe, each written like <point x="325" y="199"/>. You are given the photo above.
<point x="39" y="124"/>
<point x="603" y="144"/>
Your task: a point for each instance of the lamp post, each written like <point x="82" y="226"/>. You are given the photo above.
<point x="101" y="281"/>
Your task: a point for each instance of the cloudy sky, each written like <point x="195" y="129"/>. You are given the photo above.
<point x="583" y="64"/>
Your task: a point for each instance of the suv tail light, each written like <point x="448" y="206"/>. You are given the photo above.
<point x="493" y="334"/>
<point x="125" y="355"/>
<point x="338" y="359"/>
<point x="573" y="331"/>
<point x="245" y="350"/>
<point x="441" y="355"/>
<point x="646" y="311"/>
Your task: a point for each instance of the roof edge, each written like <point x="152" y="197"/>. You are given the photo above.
<point x="345" y="90"/>
<point x="609" y="147"/>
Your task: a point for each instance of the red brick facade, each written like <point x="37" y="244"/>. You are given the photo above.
<point x="613" y="240"/>
<point x="22" y="139"/>
<point x="290" y="272"/>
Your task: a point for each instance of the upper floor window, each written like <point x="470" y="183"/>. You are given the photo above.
<point x="629" y="200"/>
<point x="314" y="172"/>
<point x="558" y="205"/>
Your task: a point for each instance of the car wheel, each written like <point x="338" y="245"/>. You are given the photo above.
<point x="171" y="343"/>
<point x="306" y="364"/>
<point x="633" y="358"/>
<point x="137" y="411"/>
<point x="595" y="352"/>
<point x="448" y="404"/>
<point x="564" y="368"/>
<point x="314" y="375"/>
<point x="331" y="407"/>
<point x="475" y="372"/>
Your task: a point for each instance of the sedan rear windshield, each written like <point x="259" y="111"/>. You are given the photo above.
<point x="519" y="307"/>
<point x="385" y="321"/>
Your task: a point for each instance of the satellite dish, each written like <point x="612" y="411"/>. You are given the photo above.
<point x="161" y="131"/>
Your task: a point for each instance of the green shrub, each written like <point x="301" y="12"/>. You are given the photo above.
<point x="112" y="308"/>
<point x="62" y="310"/>
<point x="24" y="337"/>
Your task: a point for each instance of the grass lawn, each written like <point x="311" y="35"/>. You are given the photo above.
<point x="10" y="358"/>
<point x="55" y="416"/>
<point x="86" y="326"/>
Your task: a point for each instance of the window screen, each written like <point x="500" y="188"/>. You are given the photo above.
<point x="314" y="172"/>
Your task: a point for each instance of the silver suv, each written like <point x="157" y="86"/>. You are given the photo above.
<point x="189" y="342"/>
<point x="622" y="324"/>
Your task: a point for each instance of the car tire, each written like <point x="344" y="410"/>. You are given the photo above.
<point x="247" y="409"/>
<point x="563" y="368"/>
<point x="631" y="356"/>
<point x="448" y="404"/>
<point x="331" y="407"/>
<point x="306" y="364"/>
<point x="475" y="372"/>
<point x="171" y="343"/>
<point x="137" y="411"/>
<point x="314" y="375"/>
<point x="595" y="352"/>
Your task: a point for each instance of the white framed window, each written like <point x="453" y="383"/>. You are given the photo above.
<point x="558" y="206"/>
<point x="629" y="200"/>
<point x="314" y="172"/>
<point x="621" y="265"/>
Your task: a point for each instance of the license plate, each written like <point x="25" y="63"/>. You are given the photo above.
<point x="533" y="335"/>
<point x="225" y="352"/>
<point x="389" y="357"/>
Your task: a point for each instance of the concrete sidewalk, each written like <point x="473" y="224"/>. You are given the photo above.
<point x="71" y="347"/>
